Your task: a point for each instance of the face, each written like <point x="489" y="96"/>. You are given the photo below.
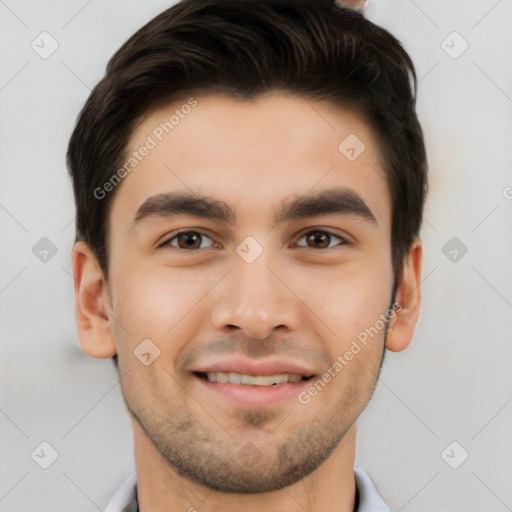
<point x="254" y="253"/>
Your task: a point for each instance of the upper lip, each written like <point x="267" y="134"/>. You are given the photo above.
<point x="254" y="367"/>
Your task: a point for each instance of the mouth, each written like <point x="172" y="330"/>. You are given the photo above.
<point x="251" y="380"/>
<point x="252" y="383"/>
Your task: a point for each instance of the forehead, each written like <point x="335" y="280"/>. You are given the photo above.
<point x="252" y="153"/>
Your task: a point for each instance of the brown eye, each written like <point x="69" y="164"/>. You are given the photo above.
<point x="188" y="240"/>
<point x="320" y="239"/>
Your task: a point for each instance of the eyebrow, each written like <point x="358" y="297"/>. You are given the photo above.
<point x="331" y="201"/>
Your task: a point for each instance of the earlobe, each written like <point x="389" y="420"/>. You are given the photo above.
<point x="91" y="304"/>
<point x="403" y="320"/>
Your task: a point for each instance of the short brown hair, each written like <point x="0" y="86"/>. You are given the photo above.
<point x="244" y="48"/>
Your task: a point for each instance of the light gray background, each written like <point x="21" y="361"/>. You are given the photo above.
<point x="453" y="384"/>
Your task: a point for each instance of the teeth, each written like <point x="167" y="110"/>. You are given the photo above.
<point x="235" y="378"/>
<point x="220" y="377"/>
<point x="253" y="380"/>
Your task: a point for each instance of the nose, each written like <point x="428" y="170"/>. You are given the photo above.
<point x="256" y="298"/>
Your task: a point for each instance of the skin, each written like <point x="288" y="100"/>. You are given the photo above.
<point x="299" y="300"/>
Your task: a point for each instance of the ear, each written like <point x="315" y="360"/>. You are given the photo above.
<point x="92" y="303"/>
<point x="408" y="295"/>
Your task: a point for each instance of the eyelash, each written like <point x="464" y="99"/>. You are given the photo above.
<point x="343" y="241"/>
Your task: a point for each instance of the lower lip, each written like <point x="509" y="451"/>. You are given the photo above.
<point x="256" y="395"/>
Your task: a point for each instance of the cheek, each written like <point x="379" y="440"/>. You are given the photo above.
<point x="150" y="304"/>
<point x="349" y="302"/>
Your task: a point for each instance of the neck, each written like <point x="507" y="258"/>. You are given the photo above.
<point x="160" y="488"/>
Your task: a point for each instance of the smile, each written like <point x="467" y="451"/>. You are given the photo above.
<point x="251" y="380"/>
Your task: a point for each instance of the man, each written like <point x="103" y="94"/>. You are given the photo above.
<point x="249" y="180"/>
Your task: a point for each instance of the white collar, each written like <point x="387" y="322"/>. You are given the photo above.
<point x="124" y="499"/>
<point x="369" y="498"/>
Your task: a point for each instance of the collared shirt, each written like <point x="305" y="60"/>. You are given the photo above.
<point x="125" y="499"/>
